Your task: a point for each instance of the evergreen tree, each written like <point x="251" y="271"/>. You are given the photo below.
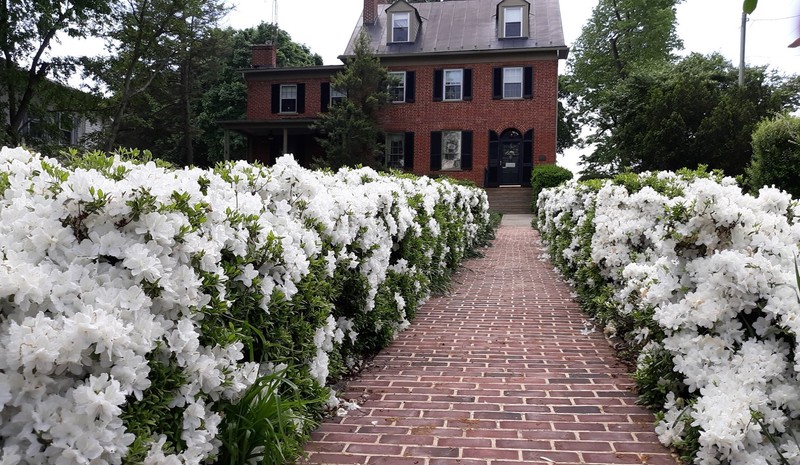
<point x="350" y="128"/>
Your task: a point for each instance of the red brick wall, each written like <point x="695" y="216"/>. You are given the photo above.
<point x="479" y="115"/>
<point x="259" y="98"/>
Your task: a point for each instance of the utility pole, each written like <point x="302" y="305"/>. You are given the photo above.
<point x="741" y="49"/>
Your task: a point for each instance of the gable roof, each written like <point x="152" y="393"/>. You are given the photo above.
<point x="464" y="26"/>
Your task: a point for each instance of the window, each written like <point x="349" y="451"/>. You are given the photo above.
<point x="289" y="98"/>
<point x="400" y="24"/>
<point x="451" y="150"/>
<point x="453" y="79"/>
<point x="336" y="96"/>
<point x="512" y="21"/>
<point x="395" y="150"/>
<point x="397" y="89"/>
<point x="512" y="83"/>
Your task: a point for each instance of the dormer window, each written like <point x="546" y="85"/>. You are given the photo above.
<point x="512" y="21"/>
<point x="400" y="26"/>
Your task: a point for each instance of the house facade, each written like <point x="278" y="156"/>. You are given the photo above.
<point x="475" y="99"/>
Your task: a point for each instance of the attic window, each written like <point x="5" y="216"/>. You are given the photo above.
<point x="512" y="21"/>
<point x="400" y="26"/>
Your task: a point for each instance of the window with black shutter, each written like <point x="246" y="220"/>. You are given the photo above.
<point x="436" y="150"/>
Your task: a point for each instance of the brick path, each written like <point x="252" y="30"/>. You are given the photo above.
<point x="498" y="372"/>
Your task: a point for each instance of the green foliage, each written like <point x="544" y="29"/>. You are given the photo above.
<point x="153" y="413"/>
<point x="776" y="161"/>
<point x="350" y="129"/>
<point x="225" y="93"/>
<point x="27" y="30"/>
<point x="668" y="116"/>
<point x="263" y="425"/>
<point x="546" y="176"/>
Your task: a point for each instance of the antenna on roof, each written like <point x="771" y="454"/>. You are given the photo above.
<point x="274" y="22"/>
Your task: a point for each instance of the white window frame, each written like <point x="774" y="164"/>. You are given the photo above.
<point x="394" y="159"/>
<point x="506" y="22"/>
<point x="401" y="77"/>
<point x="460" y="84"/>
<point x="507" y="80"/>
<point x="282" y="98"/>
<point x="396" y="17"/>
<point x="451" y="150"/>
<point x="336" y="96"/>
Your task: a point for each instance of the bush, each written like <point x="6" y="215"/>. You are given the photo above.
<point x="140" y="305"/>
<point x="545" y="176"/>
<point x="776" y="155"/>
<point x="701" y="281"/>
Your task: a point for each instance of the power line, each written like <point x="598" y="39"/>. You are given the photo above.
<point x="775" y="19"/>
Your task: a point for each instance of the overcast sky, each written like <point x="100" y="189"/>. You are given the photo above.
<point x="705" y="26"/>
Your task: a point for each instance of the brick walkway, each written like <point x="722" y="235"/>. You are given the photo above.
<point x="498" y="372"/>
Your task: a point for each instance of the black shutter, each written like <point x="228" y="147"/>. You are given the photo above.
<point x="436" y="150"/>
<point x="527" y="82"/>
<point x="493" y="168"/>
<point x="411" y="87"/>
<point x="408" y="151"/>
<point x="497" y="83"/>
<point x="301" y="98"/>
<point x="467" y="84"/>
<point x="466" y="150"/>
<point x="438" y="83"/>
<point x="325" y="96"/>
<point x="276" y="98"/>
<point x="527" y="158"/>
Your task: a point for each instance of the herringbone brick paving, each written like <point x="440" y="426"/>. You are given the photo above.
<point x="500" y="371"/>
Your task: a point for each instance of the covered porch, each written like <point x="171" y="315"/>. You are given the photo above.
<point x="270" y="139"/>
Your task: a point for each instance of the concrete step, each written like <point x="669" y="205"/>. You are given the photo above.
<point x="510" y="200"/>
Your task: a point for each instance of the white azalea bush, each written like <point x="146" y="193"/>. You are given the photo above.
<point x="701" y="281"/>
<point x="138" y="302"/>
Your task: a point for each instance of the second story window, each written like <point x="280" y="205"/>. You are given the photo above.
<point x="400" y="27"/>
<point x="512" y="24"/>
<point x="336" y="96"/>
<point x="397" y="88"/>
<point x="453" y="80"/>
<point x="289" y="98"/>
<point x="512" y="83"/>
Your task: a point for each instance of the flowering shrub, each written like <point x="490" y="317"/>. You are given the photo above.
<point x="137" y="301"/>
<point x="700" y="279"/>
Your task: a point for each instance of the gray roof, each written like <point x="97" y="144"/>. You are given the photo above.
<point x="459" y="26"/>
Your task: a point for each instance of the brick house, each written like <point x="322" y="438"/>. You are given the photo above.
<point x="476" y="99"/>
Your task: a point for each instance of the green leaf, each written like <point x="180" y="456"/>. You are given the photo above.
<point x="749" y="6"/>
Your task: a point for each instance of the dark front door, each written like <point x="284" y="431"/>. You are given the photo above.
<point x="510" y="157"/>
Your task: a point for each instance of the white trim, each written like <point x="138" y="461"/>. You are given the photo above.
<point x="401" y="75"/>
<point x="401" y="137"/>
<point x="460" y="85"/>
<point x="520" y="82"/>
<point x="521" y="10"/>
<point x="398" y="16"/>
<point x="281" y="98"/>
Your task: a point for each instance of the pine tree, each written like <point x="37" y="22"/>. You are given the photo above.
<point x="350" y="127"/>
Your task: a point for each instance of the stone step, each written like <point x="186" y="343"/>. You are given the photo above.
<point x="510" y="200"/>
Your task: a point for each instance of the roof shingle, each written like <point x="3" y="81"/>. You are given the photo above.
<point x="465" y="26"/>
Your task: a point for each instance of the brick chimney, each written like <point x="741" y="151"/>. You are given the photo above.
<point x="264" y="56"/>
<point x="370" y="11"/>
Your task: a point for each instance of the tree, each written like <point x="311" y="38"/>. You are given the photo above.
<point x="673" y="115"/>
<point x="27" y="30"/>
<point x="776" y="143"/>
<point x="225" y="96"/>
<point x="350" y="128"/>
<point x="621" y="36"/>
<point x="154" y="42"/>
